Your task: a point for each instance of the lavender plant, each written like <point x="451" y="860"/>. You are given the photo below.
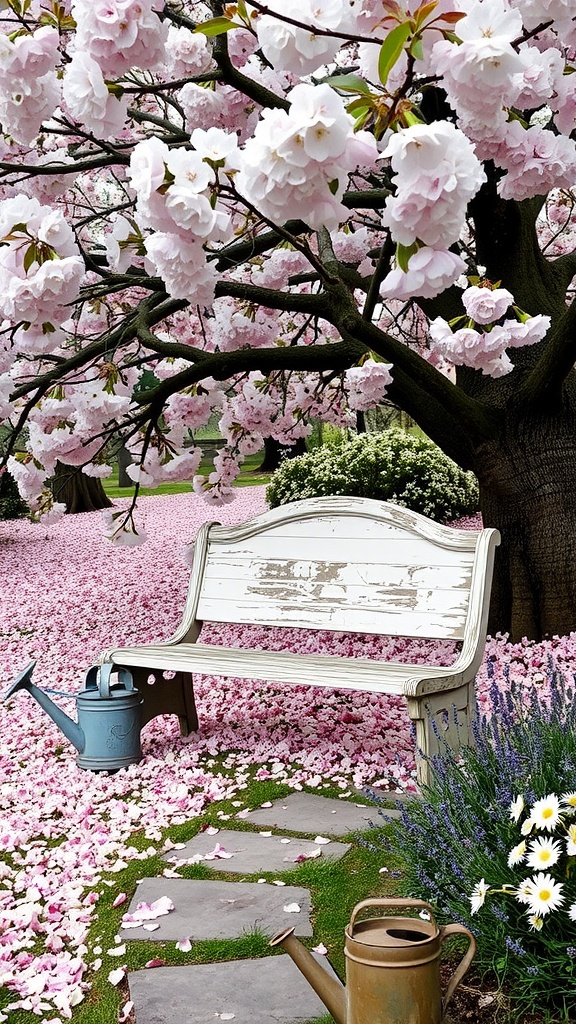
<point x="460" y="843"/>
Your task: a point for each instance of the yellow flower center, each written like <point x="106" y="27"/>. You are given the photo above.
<point x="544" y="894"/>
<point x="547" y="812"/>
<point x="544" y="855"/>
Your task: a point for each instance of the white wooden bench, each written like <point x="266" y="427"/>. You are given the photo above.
<point x="342" y="564"/>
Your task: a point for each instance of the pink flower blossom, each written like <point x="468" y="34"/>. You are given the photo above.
<point x="486" y="305"/>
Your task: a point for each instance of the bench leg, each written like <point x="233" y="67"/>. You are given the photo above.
<point x="442" y="719"/>
<point x="167" y="697"/>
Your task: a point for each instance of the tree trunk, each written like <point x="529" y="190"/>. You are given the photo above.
<point x="528" y="492"/>
<point x="80" y="493"/>
<point x="274" y="453"/>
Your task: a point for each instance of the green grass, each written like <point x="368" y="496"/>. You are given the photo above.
<point x="248" y="478"/>
<point x="335" y="888"/>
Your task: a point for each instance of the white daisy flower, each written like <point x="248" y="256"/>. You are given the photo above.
<point x="572" y="912"/>
<point x="527" y="827"/>
<point x="517" y="854"/>
<point x="516" y="808"/>
<point x="535" y="922"/>
<point x="569" y="802"/>
<point x="571" y="841"/>
<point x="543" y="853"/>
<point x="544" y="894"/>
<point x="522" y="893"/>
<point x="545" y="813"/>
<point x="479" y="893"/>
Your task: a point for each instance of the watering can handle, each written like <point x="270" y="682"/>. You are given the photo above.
<point x="106" y="671"/>
<point x="457" y="929"/>
<point x="390" y="902"/>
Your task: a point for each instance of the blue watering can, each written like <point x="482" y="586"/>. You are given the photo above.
<point x="107" y="734"/>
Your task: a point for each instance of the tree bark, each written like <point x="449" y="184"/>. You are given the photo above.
<point x="527" y="482"/>
<point x="80" y="493"/>
<point x="275" y="453"/>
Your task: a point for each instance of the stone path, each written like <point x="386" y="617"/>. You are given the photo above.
<point x="267" y="990"/>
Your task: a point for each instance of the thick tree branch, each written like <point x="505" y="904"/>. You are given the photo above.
<point x="473" y="416"/>
<point x="151" y="311"/>
<point x="223" y="365"/>
<point x="259" y="93"/>
<point x="295" y="302"/>
<point x="565" y="268"/>
<point x="543" y="383"/>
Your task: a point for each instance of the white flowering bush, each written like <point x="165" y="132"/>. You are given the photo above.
<point x="390" y="466"/>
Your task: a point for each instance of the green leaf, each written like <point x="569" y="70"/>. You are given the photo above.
<point x="216" y="26"/>
<point x="30" y="257"/>
<point x="359" y="105"/>
<point x="348" y="83"/>
<point x="391" y="50"/>
<point x="417" y="48"/>
<point x="403" y="254"/>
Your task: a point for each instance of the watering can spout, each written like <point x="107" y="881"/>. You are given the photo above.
<point x="67" y="725"/>
<point x="328" y="988"/>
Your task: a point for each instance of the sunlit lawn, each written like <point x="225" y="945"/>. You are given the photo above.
<point x="249" y="477"/>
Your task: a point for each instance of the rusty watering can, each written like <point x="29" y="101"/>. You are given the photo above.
<point x="392" y="967"/>
<point x="107" y="734"/>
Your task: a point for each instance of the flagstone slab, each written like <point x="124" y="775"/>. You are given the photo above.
<point x="307" y="812"/>
<point x="214" y="909"/>
<point x="270" y="990"/>
<point x="253" y="853"/>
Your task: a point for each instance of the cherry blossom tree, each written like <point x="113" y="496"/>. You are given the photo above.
<point x="275" y="216"/>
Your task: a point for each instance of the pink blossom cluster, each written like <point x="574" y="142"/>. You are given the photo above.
<point x="173" y="189"/>
<point x="29" y="89"/>
<point x="367" y="384"/>
<point x="120" y="34"/>
<point x="297" y="163"/>
<point x="75" y="599"/>
<point x="437" y="174"/>
<point x="486" y="73"/>
<point x="298" y="49"/>
<point x="486" y="350"/>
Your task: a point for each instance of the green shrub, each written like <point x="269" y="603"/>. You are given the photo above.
<point x="12" y="505"/>
<point x="464" y="833"/>
<point x="391" y="466"/>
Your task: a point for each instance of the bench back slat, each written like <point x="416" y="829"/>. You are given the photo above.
<point x="344" y="564"/>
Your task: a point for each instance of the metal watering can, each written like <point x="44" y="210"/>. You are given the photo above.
<point x="107" y="734"/>
<point x="392" y="967"/>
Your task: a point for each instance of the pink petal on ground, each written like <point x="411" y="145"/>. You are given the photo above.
<point x="320" y="948"/>
<point x="116" y="976"/>
<point x="291" y="908"/>
<point x="313" y="855"/>
<point x="184" y="945"/>
<point x="125" y="1012"/>
<point x="155" y="962"/>
<point x="121" y="898"/>
<point x="218" y="853"/>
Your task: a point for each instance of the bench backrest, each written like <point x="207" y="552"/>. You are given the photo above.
<point x="345" y="564"/>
